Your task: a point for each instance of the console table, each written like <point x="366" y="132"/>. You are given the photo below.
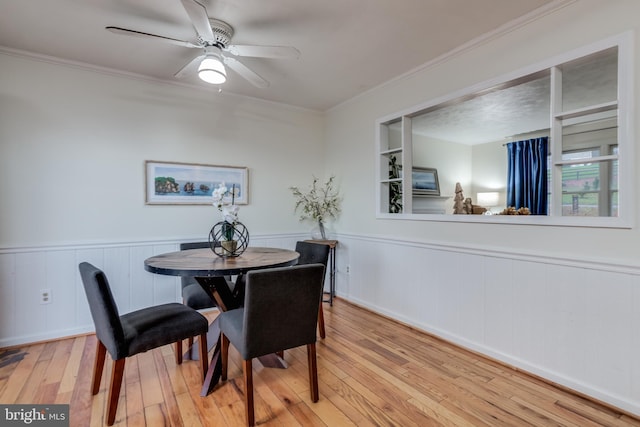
<point x="332" y="265"/>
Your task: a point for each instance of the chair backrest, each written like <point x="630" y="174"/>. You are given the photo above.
<point x="312" y="253"/>
<point x="281" y="308"/>
<point x="186" y="281"/>
<point x="104" y="310"/>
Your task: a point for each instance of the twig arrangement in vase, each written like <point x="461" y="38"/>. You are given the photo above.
<point x="318" y="204"/>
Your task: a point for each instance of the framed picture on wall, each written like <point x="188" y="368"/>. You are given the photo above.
<point x="170" y="183"/>
<point x="424" y="182"/>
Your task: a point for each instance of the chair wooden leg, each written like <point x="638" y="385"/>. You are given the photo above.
<point x="224" y="355"/>
<point x="204" y="355"/>
<point x="248" y="391"/>
<point x="189" y="344"/>
<point x="98" y="367"/>
<point x="321" y="321"/>
<point x="313" y="371"/>
<point x="114" y="390"/>
<point x="179" y="352"/>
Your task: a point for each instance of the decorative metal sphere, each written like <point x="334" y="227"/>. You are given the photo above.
<point x="228" y="240"/>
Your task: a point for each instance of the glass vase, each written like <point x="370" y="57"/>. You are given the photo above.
<point x="321" y="231"/>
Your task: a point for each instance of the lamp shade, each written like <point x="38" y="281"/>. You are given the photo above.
<point x="211" y="70"/>
<point x="488" y="199"/>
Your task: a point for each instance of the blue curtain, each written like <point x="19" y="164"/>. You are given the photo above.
<point x="527" y="175"/>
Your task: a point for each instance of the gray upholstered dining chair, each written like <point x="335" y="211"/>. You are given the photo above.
<point x="280" y="312"/>
<point x="193" y="295"/>
<point x="314" y="253"/>
<point x="135" y="332"/>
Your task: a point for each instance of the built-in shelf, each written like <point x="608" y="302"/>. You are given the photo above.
<point x="592" y="109"/>
<point x="391" y="180"/>
<point x="430" y="204"/>
<point x="392" y="151"/>
<point x="429" y="196"/>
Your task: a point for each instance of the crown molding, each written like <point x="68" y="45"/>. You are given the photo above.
<point x="498" y="32"/>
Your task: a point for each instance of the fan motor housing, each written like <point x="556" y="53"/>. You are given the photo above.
<point x="222" y="33"/>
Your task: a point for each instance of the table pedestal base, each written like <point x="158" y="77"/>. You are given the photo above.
<point x="273" y="361"/>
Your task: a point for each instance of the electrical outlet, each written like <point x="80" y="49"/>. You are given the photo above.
<point x="45" y="296"/>
<point x="348" y="269"/>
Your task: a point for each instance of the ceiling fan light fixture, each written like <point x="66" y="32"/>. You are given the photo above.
<point x="211" y="70"/>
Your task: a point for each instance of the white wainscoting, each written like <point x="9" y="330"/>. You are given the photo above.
<point x="574" y="322"/>
<point x="24" y="272"/>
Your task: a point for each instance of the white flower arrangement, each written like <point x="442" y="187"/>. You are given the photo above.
<point x="224" y="200"/>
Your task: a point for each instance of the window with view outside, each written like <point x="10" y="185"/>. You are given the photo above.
<point x="589" y="188"/>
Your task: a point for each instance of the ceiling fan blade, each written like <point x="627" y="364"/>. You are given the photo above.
<point x="245" y="72"/>
<point x="126" y="32"/>
<point x="287" y="52"/>
<point x="200" y="19"/>
<point x="190" y="65"/>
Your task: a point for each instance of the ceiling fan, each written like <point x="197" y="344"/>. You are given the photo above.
<point x="214" y="37"/>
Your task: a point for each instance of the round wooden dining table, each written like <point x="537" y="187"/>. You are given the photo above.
<point x="210" y="271"/>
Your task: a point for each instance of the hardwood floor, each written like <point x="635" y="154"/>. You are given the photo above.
<point x="372" y="372"/>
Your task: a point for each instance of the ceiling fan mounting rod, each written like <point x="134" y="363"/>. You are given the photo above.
<point x="222" y="33"/>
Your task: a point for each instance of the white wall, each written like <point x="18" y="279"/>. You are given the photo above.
<point x="489" y="171"/>
<point x="73" y="144"/>
<point x="453" y="161"/>
<point x="491" y="287"/>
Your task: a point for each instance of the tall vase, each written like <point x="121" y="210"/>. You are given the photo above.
<point x="323" y="232"/>
<point x="319" y="231"/>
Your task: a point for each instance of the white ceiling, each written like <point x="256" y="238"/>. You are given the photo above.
<point x="493" y="116"/>
<point x="347" y="46"/>
<point x="522" y="106"/>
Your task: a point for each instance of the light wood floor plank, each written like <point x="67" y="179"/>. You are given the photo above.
<point x="156" y="415"/>
<point x="132" y="391"/>
<point x="149" y="381"/>
<point x="18" y="378"/>
<point x="341" y="400"/>
<point x="188" y="411"/>
<point x="98" y="416"/>
<point x="372" y="371"/>
<point x="305" y="416"/>
<point x="81" y="399"/>
<point x="377" y="408"/>
<point x="33" y="382"/>
<point x="170" y="402"/>
<point x="69" y="376"/>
